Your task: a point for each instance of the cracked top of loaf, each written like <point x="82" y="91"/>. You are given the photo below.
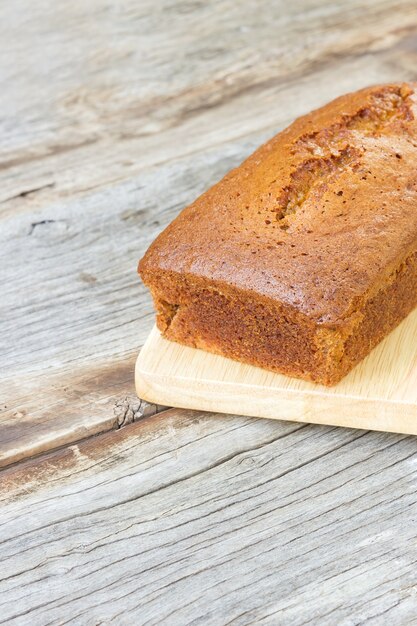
<point x="318" y="218"/>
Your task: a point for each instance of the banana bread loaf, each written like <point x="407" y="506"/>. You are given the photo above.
<point x="303" y="258"/>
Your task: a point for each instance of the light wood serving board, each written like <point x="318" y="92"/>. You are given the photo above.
<point x="379" y="394"/>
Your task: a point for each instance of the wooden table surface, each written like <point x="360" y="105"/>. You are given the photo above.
<point x="113" y="116"/>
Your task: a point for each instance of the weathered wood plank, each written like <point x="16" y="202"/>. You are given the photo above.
<point x="74" y="314"/>
<point x="186" y="519"/>
<point x="101" y="87"/>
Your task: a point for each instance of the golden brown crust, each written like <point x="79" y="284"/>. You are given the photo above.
<point x="312" y="228"/>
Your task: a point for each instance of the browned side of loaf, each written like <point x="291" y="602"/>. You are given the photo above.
<point x="262" y="333"/>
<point x="304" y="257"/>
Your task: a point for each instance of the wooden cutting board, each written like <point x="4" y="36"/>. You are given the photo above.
<point x="379" y="394"/>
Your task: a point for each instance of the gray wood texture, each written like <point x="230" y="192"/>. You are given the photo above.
<point x="188" y="518"/>
<point x="113" y="116"/>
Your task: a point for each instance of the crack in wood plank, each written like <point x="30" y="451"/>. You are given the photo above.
<point x="132" y="409"/>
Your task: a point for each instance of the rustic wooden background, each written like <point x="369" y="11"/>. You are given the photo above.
<point x="113" y="116"/>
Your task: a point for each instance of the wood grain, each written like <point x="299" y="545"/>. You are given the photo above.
<point x="379" y="394"/>
<point x="197" y="518"/>
<point x="112" y="118"/>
